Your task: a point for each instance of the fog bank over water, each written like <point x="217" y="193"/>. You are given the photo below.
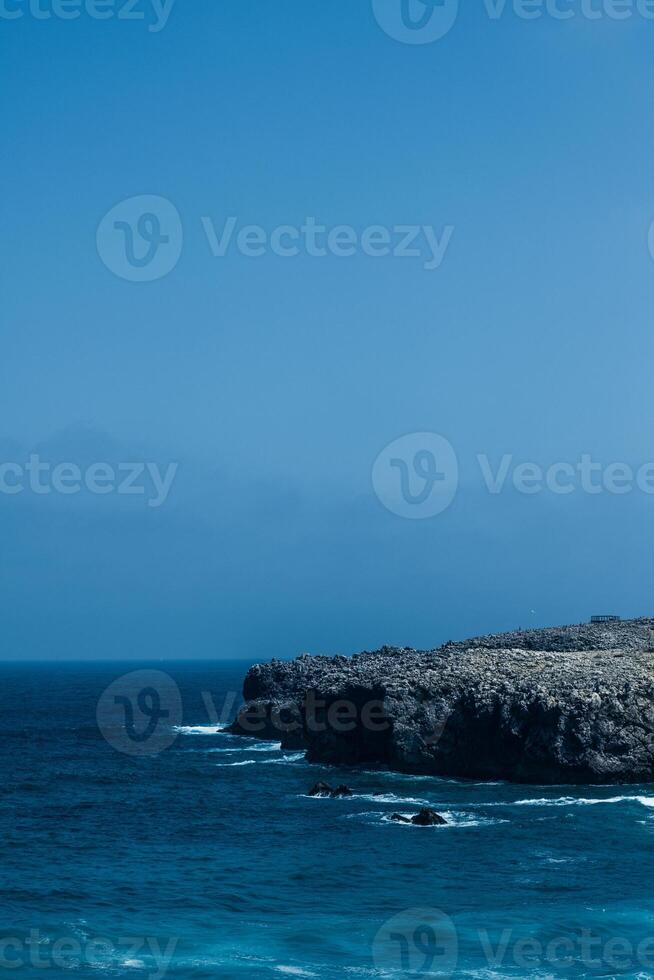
<point x="235" y="564"/>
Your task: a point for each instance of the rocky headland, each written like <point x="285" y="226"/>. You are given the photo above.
<point x="570" y="704"/>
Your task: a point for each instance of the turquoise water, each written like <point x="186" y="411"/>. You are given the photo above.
<point x="208" y="860"/>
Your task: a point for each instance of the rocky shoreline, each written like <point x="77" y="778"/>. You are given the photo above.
<point x="570" y="704"/>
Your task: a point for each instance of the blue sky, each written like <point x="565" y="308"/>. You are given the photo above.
<point x="275" y="382"/>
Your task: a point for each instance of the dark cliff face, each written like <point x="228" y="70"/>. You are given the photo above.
<point x="571" y="704"/>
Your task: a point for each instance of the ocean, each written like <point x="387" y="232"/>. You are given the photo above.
<point x="204" y="857"/>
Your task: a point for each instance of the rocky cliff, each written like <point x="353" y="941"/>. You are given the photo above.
<point x="572" y="704"/>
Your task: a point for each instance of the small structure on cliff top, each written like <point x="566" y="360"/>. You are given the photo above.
<point x="605" y="619"/>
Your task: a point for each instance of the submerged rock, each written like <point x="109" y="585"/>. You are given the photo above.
<point x="426" y="818"/>
<point x="320" y="789"/>
<point x="572" y="704"/>
<point x="324" y="789"/>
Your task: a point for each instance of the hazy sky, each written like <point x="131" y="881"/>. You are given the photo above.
<point x="275" y="382"/>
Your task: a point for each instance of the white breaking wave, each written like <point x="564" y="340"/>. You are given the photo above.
<point x="229" y="765"/>
<point x="293" y="757"/>
<point x="374" y="798"/>
<point x="456" y="818"/>
<point x="413" y="777"/>
<point x="580" y="801"/>
<point x="295" y="971"/>
<point x="453" y="818"/>
<point x="269" y="747"/>
<point x="389" y="798"/>
<point x="200" y="729"/>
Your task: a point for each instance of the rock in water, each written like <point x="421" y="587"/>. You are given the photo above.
<point x="320" y="789"/>
<point x="428" y="818"/>
<point x="572" y="704"/>
<point x="324" y="789"/>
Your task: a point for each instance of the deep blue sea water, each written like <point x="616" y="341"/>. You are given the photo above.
<point x="208" y="860"/>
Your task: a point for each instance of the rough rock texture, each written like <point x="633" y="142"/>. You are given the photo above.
<point x="426" y="818"/>
<point x="324" y="789"/>
<point x="572" y="704"/>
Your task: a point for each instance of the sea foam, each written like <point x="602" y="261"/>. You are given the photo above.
<point x="200" y="729"/>
<point x="580" y="801"/>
